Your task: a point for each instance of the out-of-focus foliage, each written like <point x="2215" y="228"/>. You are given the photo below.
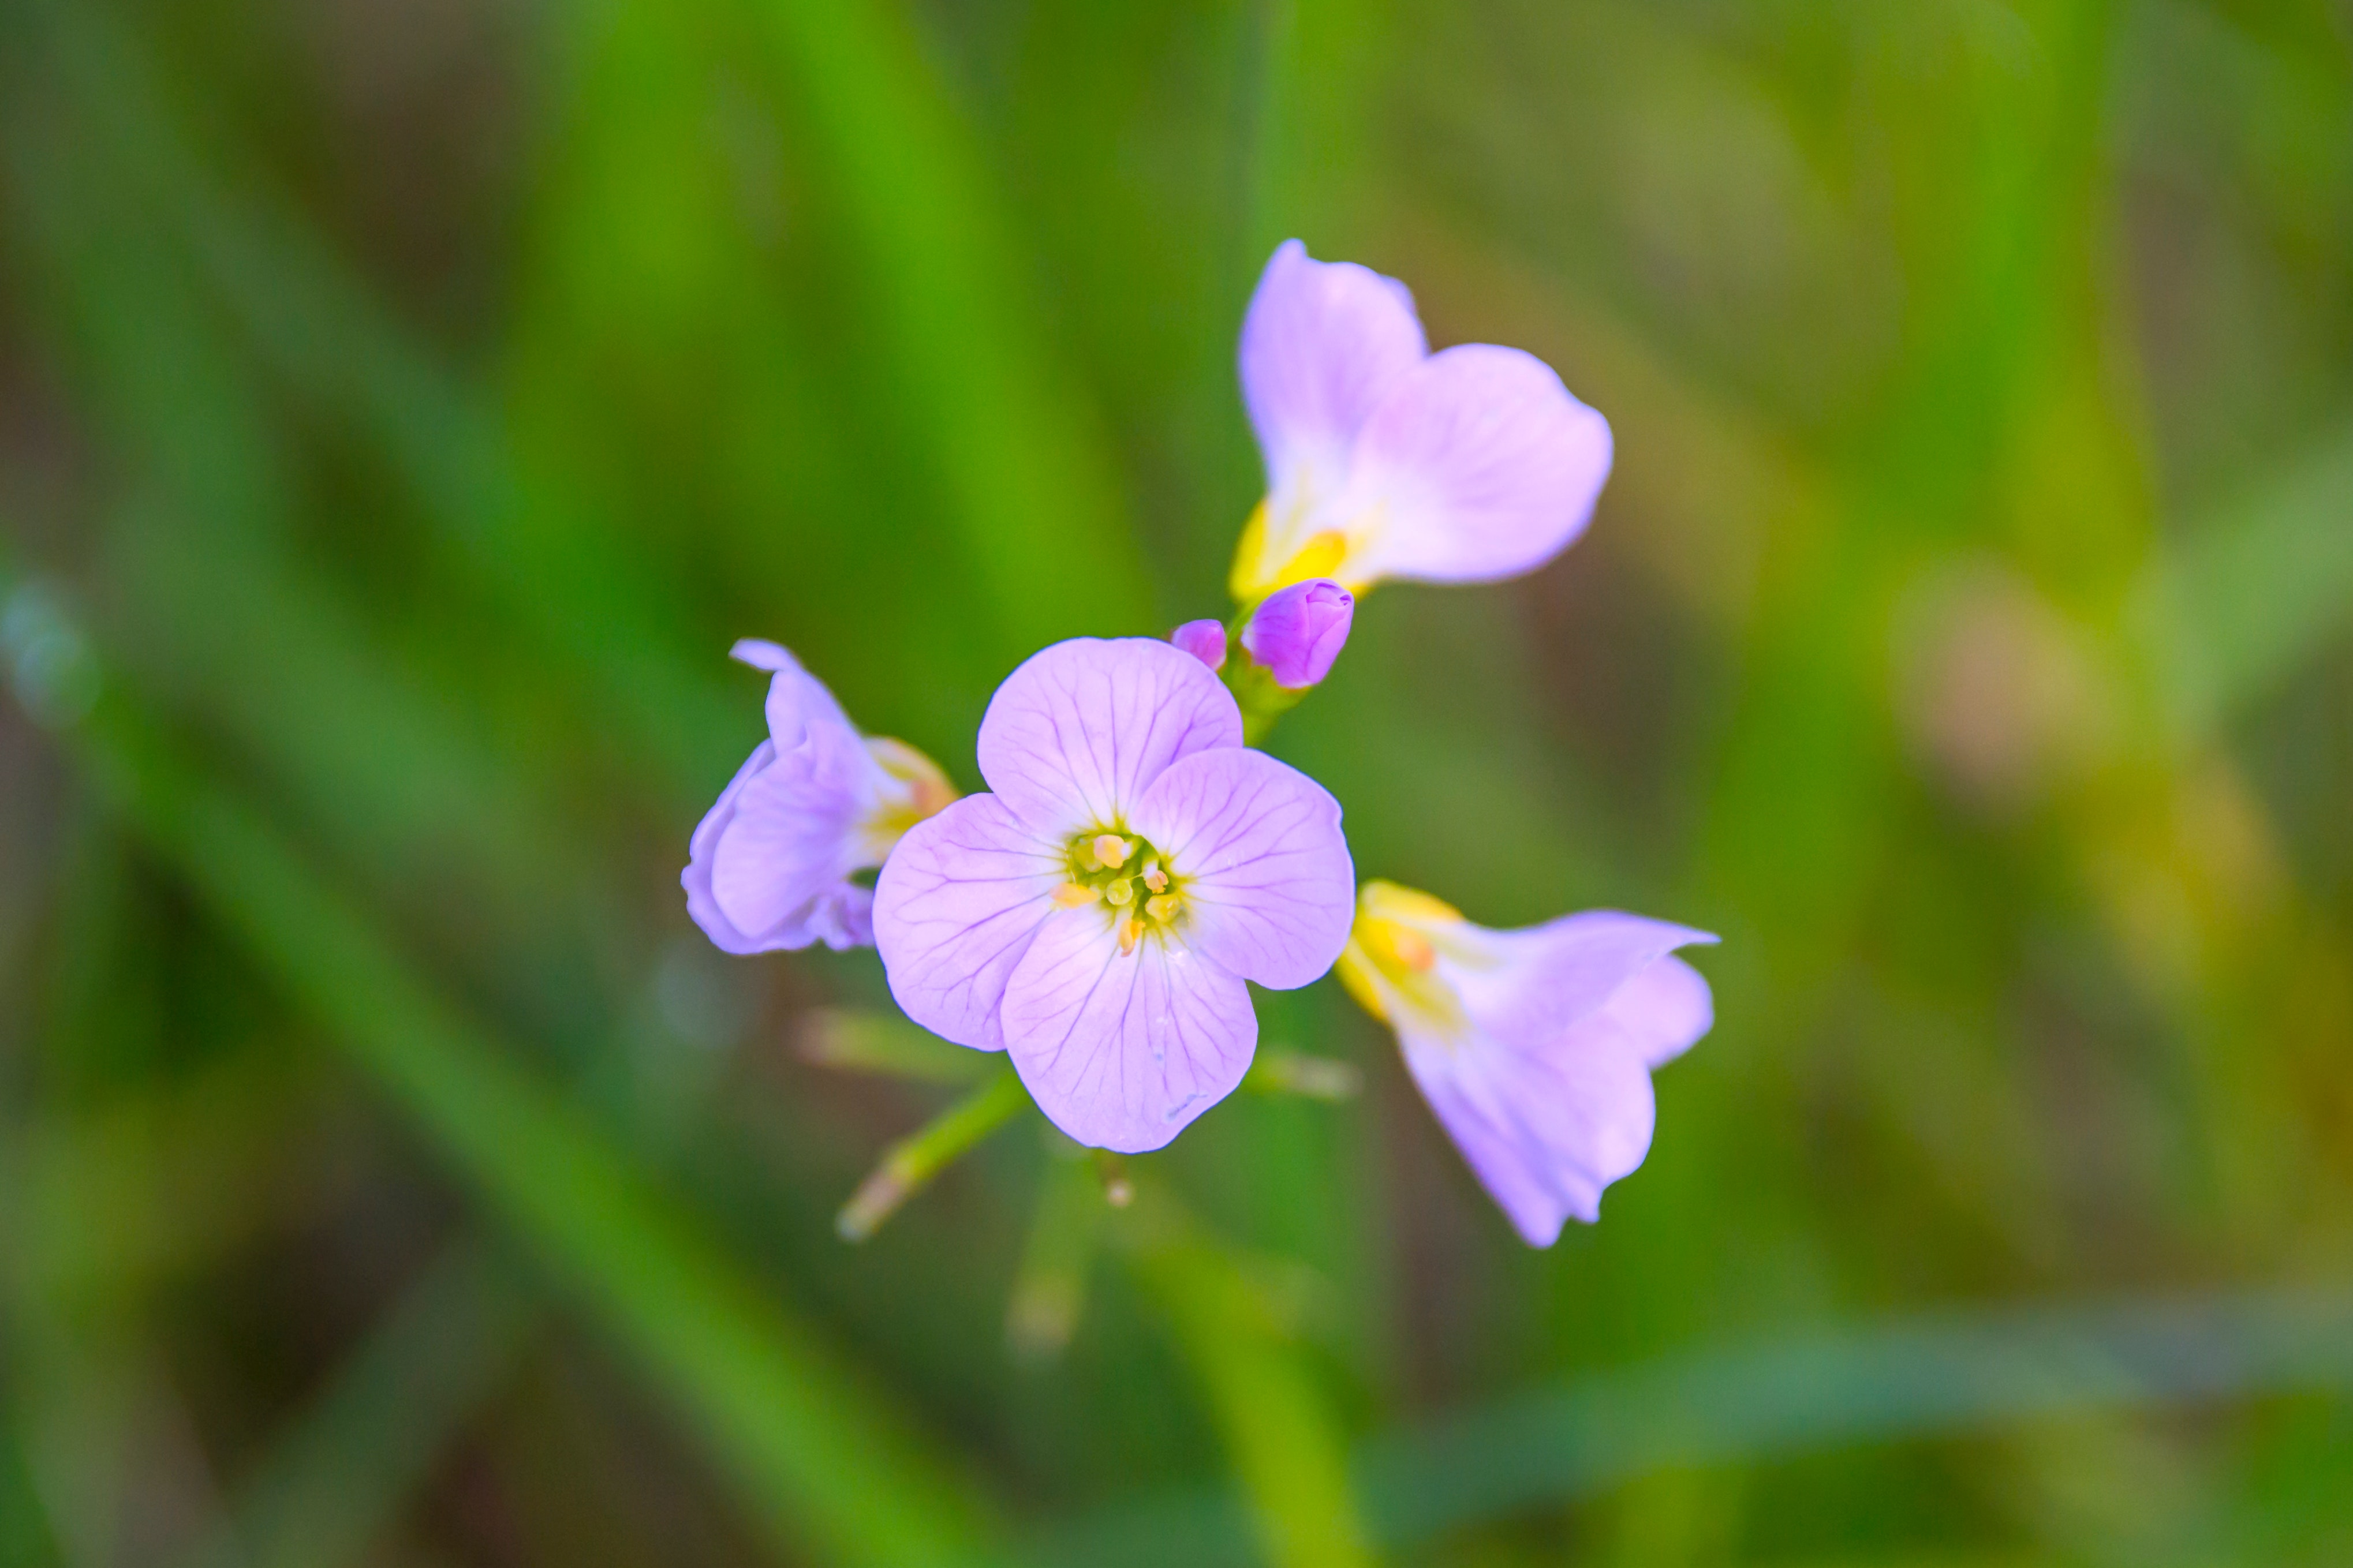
<point x="402" y="406"/>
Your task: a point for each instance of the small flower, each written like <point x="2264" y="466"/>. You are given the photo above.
<point x="770" y="865"/>
<point x="1533" y="1047"/>
<point x="1385" y="460"/>
<point x="1097" y="915"/>
<point x="1299" y="630"/>
<point x="1205" y="640"/>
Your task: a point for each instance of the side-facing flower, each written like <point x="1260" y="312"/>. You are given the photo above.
<point x="770" y="865"/>
<point x="1385" y="460"/>
<point x="1299" y="631"/>
<point x="1097" y="915"/>
<point x="1533" y="1047"/>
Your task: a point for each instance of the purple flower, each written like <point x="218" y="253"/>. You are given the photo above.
<point x="1386" y="460"/>
<point x="770" y="865"/>
<point x="1205" y="640"/>
<point x="1533" y="1047"/>
<point x="1299" y="631"/>
<point x="1098" y="914"/>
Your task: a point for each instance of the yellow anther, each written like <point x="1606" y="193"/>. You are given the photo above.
<point x="1072" y="895"/>
<point x="1111" y="849"/>
<point x="1119" y="894"/>
<point x="1413" y="949"/>
<point x="1156" y="879"/>
<point x="1131" y="932"/>
<point x="1162" y="908"/>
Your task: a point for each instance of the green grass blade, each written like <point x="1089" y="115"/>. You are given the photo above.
<point x="1282" y="1436"/>
<point x="2257" y="589"/>
<point x="959" y="320"/>
<point x="818" y="1458"/>
<point x="339" y="1475"/>
<point x="1936" y="1375"/>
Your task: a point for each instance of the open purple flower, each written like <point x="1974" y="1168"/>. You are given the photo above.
<point x="1386" y="460"/>
<point x="770" y="865"/>
<point x="1097" y="915"/>
<point x="1533" y="1047"/>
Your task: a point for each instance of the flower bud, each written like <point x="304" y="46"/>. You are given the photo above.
<point x="1205" y="640"/>
<point x="1299" y="630"/>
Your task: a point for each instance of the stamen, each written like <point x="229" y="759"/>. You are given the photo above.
<point x="1118" y="894"/>
<point x="1087" y="860"/>
<point x="1111" y="849"/>
<point x="1412" y="949"/>
<point x="1155" y="878"/>
<point x="1073" y="895"/>
<point x="1162" y="908"/>
<point x="1131" y="932"/>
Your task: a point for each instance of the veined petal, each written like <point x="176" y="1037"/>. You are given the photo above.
<point x="1525" y="987"/>
<point x="1478" y="466"/>
<point x="1122" y="1050"/>
<point x="955" y="909"/>
<point x="788" y="841"/>
<point x="1324" y="342"/>
<point x="1267" y="885"/>
<point x="1079" y="732"/>
<point x="703" y="849"/>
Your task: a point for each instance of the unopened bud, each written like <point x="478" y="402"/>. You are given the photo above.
<point x="1299" y="631"/>
<point x="1205" y="640"/>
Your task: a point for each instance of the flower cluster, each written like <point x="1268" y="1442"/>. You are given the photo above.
<point x="1100" y="913"/>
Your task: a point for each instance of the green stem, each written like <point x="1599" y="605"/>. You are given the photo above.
<point x="1049" y="1289"/>
<point x="1262" y="701"/>
<point x="910" y="1164"/>
<point x="1287" y="1443"/>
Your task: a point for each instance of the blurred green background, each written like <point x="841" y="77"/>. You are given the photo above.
<point x="406" y="404"/>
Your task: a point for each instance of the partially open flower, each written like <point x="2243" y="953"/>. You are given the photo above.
<point x="1299" y="631"/>
<point x="771" y="864"/>
<point x="1533" y="1047"/>
<point x="1098" y="915"/>
<point x="1385" y="460"/>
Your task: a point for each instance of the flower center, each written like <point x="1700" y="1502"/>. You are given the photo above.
<point x="1390" y="962"/>
<point x="1132" y="882"/>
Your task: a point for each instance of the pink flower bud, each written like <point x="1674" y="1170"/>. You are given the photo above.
<point x="1299" y="630"/>
<point x="1205" y="640"/>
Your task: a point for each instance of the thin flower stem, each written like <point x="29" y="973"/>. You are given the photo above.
<point x="1050" y="1290"/>
<point x="911" y="1163"/>
<point x="1262" y="701"/>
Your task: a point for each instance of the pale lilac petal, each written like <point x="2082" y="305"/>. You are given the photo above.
<point x="842" y="917"/>
<point x="790" y="840"/>
<point x="1299" y="631"/>
<point x="1664" y="1010"/>
<point x="702" y="850"/>
<point x="1123" y="1050"/>
<point x="1478" y="466"/>
<point x="1530" y="985"/>
<point x="955" y="909"/>
<point x="1075" y="736"/>
<point x="1267" y="888"/>
<point x="1323" y="344"/>
<point x="1205" y="640"/>
<point x="1544" y="1131"/>
<point x="800" y="709"/>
